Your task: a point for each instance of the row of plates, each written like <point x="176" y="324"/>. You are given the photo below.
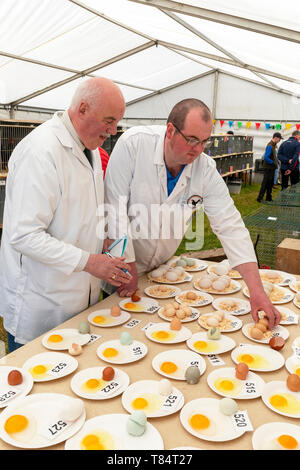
<point x="44" y="414"/>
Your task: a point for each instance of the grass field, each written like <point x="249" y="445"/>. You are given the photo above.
<point x="245" y="202"/>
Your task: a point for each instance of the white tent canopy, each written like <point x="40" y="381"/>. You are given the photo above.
<point x="240" y="57"/>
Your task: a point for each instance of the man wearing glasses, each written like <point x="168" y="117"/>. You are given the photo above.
<point x="157" y="167"/>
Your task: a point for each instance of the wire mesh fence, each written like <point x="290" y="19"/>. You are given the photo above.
<point x="289" y="197"/>
<point x="269" y="226"/>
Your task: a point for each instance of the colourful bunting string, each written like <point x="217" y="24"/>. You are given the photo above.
<point x="267" y="125"/>
<point x="298" y="127"/>
<point x="222" y="122"/>
<point x="230" y="123"/>
<point x="288" y="126"/>
<point x="257" y="124"/>
<point x="239" y="124"/>
<point x="278" y="127"/>
<point x="248" y="124"/>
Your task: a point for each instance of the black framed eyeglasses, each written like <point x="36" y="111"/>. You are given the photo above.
<point x="192" y="141"/>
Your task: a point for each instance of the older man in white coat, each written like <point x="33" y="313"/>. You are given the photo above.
<point x="156" y="166"/>
<point x="51" y="264"/>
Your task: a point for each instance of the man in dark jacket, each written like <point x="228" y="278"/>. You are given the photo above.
<point x="269" y="165"/>
<point x="288" y="154"/>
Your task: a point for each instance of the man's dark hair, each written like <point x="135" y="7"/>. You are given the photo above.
<point x="295" y="133"/>
<point x="179" y="112"/>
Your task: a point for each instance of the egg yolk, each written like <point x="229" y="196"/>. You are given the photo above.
<point x="92" y="383"/>
<point x="226" y="385"/>
<point x="39" y="369"/>
<point x="92" y="442"/>
<point x="55" y="338"/>
<point x="110" y="352"/>
<point x="199" y="422"/>
<point x="139" y="403"/>
<point x="297" y="371"/>
<point x="15" y="423"/>
<point x="288" y="442"/>
<point x="200" y="344"/>
<point x="247" y="358"/>
<point x="168" y="367"/>
<point x="162" y="334"/>
<point x="98" y="319"/>
<point x="278" y="401"/>
<point x="129" y="305"/>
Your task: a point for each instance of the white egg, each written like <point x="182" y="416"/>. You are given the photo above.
<point x="213" y="276"/>
<point x="219" y="315"/>
<point x="220" y="269"/>
<point x="205" y="283"/>
<point x="156" y="273"/>
<point x="178" y="270"/>
<point x="165" y="387"/>
<point x="72" y="410"/>
<point x="226" y="279"/>
<point x="171" y="276"/>
<point x="212" y="321"/>
<point x="219" y="285"/>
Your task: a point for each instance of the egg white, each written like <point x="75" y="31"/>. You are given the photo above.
<point x="28" y="433"/>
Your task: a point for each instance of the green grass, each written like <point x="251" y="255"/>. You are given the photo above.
<point x="246" y="204"/>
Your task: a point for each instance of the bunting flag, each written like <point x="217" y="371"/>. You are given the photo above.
<point x="214" y="121"/>
<point x="222" y="122"/>
<point x="240" y="124"/>
<point x="278" y="127"/>
<point x="248" y="124"/>
<point x="268" y="125"/>
<point x="288" y="126"/>
<point x="298" y="127"/>
<point x="257" y="124"/>
<point x="230" y="123"/>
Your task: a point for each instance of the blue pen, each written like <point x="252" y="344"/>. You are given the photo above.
<point x="123" y="269"/>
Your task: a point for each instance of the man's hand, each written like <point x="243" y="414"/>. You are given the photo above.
<point x="287" y="172"/>
<point x="128" y="289"/>
<point x="108" y="269"/>
<point x="258" y="297"/>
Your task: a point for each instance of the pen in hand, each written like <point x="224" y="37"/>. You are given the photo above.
<point x="123" y="269"/>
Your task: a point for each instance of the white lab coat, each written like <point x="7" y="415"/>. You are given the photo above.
<point x="50" y="222"/>
<point x="137" y="171"/>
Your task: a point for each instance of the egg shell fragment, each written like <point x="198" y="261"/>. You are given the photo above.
<point x="72" y="410"/>
<point x="241" y="371"/>
<point x="126" y="338"/>
<point x="115" y="311"/>
<point x="192" y="375"/>
<point x="14" y="377"/>
<point x="228" y="406"/>
<point x="293" y="382"/>
<point x="175" y="324"/>
<point x="165" y="387"/>
<point x="277" y="343"/>
<point x="108" y="374"/>
<point x="136" y="424"/>
<point x="84" y="327"/>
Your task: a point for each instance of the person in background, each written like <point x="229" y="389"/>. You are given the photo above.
<point x="288" y="154"/>
<point x="104" y="159"/>
<point x="51" y="261"/>
<point x="269" y="166"/>
<point x="229" y="133"/>
<point x="152" y="167"/>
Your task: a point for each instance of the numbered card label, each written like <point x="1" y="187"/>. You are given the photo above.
<point x="110" y="388"/>
<point x="215" y="360"/>
<point x="132" y="323"/>
<point x="8" y="394"/>
<point x="147" y="326"/>
<point x="137" y="351"/>
<point x="241" y="421"/>
<point x="239" y="311"/>
<point x="93" y="338"/>
<point x="53" y="428"/>
<point x="151" y="309"/>
<point x="292" y="319"/>
<point x="296" y="350"/>
<point x="57" y="369"/>
<point x="249" y="388"/>
<point x="171" y="402"/>
<point x="194" y="363"/>
<point x="194" y="315"/>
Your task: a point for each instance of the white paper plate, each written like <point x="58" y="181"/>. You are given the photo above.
<point x="57" y="365"/>
<point x="288" y="295"/>
<point x="173" y="336"/>
<point x="247" y="389"/>
<point x="295" y="302"/>
<point x="182" y="358"/>
<point x="10" y="393"/>
<point x="158" y="405"/>
<point x="265" y="436"/>
<point x="235" y="287"/>
<point x="45" y="410"/>
<point x="201" y="302"/>
<point x="277" y="388"/>
<point x="274" y="360"/>
<point x="69" y="335"/>
<point x="195" y="314"/>
<point x="219" y="346"/>
<point x="293" y="364"/>
<point x="105" y="390"/>
<point x="235" y="323"/>
<point x="115" y="426"/>
<point x="289" y="317"/>
<point x="199" y="265"/>
<point x="173" y="291"/>
<point x="276" y="331"/>
<point x="143" y="305"/>
<point x="242" y="308"/>
<point x="296" y="342"/>
<point x="294" y="285"/>
<point x="105" y="319"/>
<point x="233" y="275"/>
<point x="283" y="278"/>
<point x="222" y="429"/>
<point x="186" y="278"/>
<point x="126" y="353"/>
